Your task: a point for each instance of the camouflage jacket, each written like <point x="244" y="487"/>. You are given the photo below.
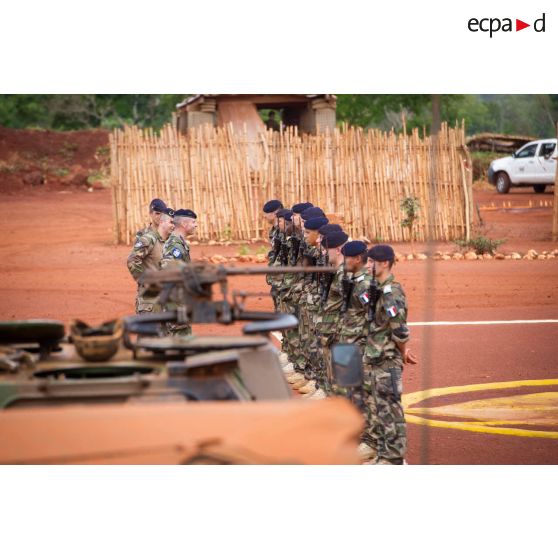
<point x="176" y="249"/>
<point x="354" y="324"/>
<point x="146" y="254"/>
<point x="389" y="326"/>
<point x="143" y="231"/>
<point x="288" y="283"/>
<point x="328" y="320"/>
<point x="271" y="256"/>
<point x="310" y="296"/>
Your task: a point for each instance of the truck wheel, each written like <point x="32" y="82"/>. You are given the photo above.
<point x="502" y="183"/>
<point x="539" y="188"/>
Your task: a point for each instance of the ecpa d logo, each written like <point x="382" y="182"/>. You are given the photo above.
<point x="494" y="24"/>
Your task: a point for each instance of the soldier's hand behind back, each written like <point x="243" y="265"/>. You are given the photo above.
<point x="409" y="358"/>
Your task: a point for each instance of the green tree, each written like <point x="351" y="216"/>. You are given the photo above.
<point x="73" y="112"/>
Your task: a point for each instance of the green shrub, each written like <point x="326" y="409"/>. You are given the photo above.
<point x="411" y="208"/>
<point x="97" y="176"/>
<point x="243" y="250"/>
<point x="61" y="172"/>
<point x="480" y="244"/>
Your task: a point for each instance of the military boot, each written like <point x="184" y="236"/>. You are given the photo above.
<point x="310" y="387"/>
<point x="288" y="368"/>
<point x="366" y="452"/>
<point x="300" y="383"/>
<point x="296" y="377"/>
<point x="283" y="359"/>
<point x="318" y="394"/>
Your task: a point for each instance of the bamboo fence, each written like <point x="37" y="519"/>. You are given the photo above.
<point x="360" y="176"/>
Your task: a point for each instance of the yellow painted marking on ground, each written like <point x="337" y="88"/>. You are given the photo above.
<point x="531" y="409"/>
<point x="535" y="409"/>
<point x="550" y="422"/>
<point x="482" y="429"/>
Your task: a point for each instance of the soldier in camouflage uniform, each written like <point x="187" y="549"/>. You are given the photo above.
<point x="328" y="320"/>
<point x="309" y="304"/>
<point x="385" y="354"/>
<point x="354" y="321"/>
<point x="146" y="254"/>
<point x="296" y="246"/>
<point x="176" y="247"/>
<point x="284" y="282"/>
<point x="270" y="210"/>
<point x="157" y="208"/>
<point x="176" y="251"/>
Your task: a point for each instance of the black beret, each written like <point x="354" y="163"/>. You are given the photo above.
<point x="354" y="248"/>
<point x="271" y="206"/>
<point x="381" y="253"/>
<point x="335" y="239"/>
<point x="286" y="214"/>
<point x="300" y="207"/>
<point x="329" y="228"/>
<point x="312" y="212"/>
<point x="157" y="205"/>
<point x="315" y="223"/>
<point x="185" y="213"/>
<point x="169" y="211"/>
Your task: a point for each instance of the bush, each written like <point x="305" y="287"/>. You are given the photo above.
<point x="262" y="250"/>
<point x="243" y="251"/>
<point x="481" y="244"/>
<point x="411" y="208"/>
<point x="97" y="176"/>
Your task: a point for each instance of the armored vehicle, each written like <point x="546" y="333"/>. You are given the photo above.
<point x="116" y="392"/>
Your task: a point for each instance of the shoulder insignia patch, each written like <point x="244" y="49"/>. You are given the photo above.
<point x="176" y="253"/>
<point x="392" y="311"/>
<point x="359" y="279"/>
<point x="364" y="298"/>
<point x="387" y="289"/>
<point x="138" y="244"/>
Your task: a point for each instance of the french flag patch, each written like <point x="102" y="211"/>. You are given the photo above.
<point x="392" y="311"/>
<point x="364" y="298"/>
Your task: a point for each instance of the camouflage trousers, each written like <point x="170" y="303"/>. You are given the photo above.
<point x="183" y="329"/>
<point x="290" y="343"/>
<point x="380" y="401"/>
<point x="310" y="355"/>
<point x="325" y="373"/>
<point x="274" y="297"/>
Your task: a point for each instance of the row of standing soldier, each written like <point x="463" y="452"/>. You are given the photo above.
<point x="361" y="304"/>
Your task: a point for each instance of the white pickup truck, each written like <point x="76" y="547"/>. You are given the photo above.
<point x="532" y="165"/>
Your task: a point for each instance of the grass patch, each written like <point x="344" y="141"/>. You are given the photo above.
<point x="63" y="171"/>
<point x="97" y="176"/>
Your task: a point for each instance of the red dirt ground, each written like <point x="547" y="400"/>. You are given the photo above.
<point x="58" y="261"/>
